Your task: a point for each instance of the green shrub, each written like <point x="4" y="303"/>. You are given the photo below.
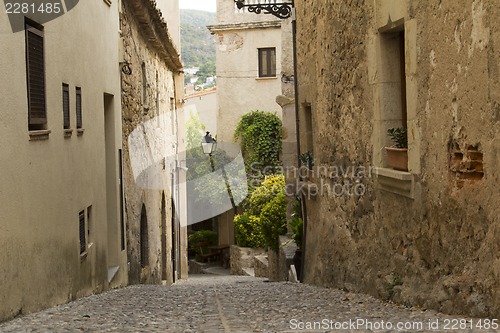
<point x="248" y="231"/>
<point x="267" y="191"/>
<point x="265" y="218"/>
<point x="273" y="219"/>
<point x="195" y="241"/>
<point x="204" y="236"/>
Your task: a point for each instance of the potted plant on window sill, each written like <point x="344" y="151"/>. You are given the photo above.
<point x="397" y="154"/>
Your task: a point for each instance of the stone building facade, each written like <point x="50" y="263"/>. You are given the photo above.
<point x="428" y="236"/>
<point x="61" y="231"/>
<point x="151" y="92"/>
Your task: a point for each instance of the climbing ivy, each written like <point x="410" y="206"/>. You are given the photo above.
<point x="260" y="134"/>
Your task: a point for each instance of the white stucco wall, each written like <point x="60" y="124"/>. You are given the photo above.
<point x="44" y="184"/>
<point x="239" y="88"/>
<point x="205" y="106"/>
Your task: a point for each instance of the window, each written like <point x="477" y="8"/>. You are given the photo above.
<point x="83" y="243"/>
<point x="35" y="77"/>
<point x="395" y="113"/>
<point x="267" y="62"/>
<point x="144" y="89"/>
<point x="144" y="239"/>
<point x="65" y="99"/>
<point x="89" y="223"/>
<point x="308" y="126"/>
<point x="78" y="99"/>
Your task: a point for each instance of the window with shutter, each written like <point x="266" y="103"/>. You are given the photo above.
<point x="267" y="62"/>
<point x="78" y="99"/>
<point x="83" y="244"/>
<point x="66" y="116"/>
<point x="35" y="75"/>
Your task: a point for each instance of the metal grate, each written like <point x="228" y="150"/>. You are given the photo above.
<point x="37" y="114"/>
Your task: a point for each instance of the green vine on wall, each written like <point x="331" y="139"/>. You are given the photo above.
<point x="260" y="135"/>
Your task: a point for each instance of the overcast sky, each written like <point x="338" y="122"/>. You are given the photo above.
<point x="206" y="5"/>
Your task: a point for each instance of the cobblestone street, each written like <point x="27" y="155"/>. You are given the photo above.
<point x="210" y="303"/>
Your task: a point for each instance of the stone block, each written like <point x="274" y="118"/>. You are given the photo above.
<point x="261" y="266"/>
<point x="243" y="257"/>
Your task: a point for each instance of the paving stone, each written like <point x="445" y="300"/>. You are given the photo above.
<point x="215" y="303"/>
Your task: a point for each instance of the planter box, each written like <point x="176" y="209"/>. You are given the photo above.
<point x="397" y="158"/>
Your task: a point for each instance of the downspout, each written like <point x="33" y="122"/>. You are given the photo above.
<point x="297" y="130"/>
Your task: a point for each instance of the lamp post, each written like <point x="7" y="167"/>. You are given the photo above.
<point x="209" y="145"/>
<point x="283" y="10"/>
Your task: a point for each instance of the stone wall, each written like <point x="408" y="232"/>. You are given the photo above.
<point x="432" y="234"/>
<point x="149" y="145"/>
<point x="243" y="258"/>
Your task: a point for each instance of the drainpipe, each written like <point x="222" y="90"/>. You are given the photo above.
<point x="297" y="129"/>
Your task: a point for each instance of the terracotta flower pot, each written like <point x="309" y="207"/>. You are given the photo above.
<point x="397" y="158"/>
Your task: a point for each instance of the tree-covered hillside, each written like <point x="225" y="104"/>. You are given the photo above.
<point x="197" y="44"/>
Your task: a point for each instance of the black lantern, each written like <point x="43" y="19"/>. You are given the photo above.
<point x="208" y="144"/>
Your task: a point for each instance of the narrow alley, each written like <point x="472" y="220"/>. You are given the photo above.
<point x="215" y="303"/>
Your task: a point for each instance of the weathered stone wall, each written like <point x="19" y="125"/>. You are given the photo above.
<point x="436" y="243"/>
<point x="149" y="145"/>
<point x="243" y="258"/>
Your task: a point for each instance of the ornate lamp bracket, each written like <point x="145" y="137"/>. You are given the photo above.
<point x="282" y="10"/>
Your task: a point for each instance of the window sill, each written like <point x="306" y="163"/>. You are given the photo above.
<point x="80" y="131"/>
<point x="85" y="253"/>
<point x="39" y="135"/>
<point x="264" y="78"/>
<point x="394" y="181"/>
<point x="68" y="133"/>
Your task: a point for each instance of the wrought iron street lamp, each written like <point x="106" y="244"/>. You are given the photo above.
<point x="208" y="144"/>
<point x="280" y="9"/>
